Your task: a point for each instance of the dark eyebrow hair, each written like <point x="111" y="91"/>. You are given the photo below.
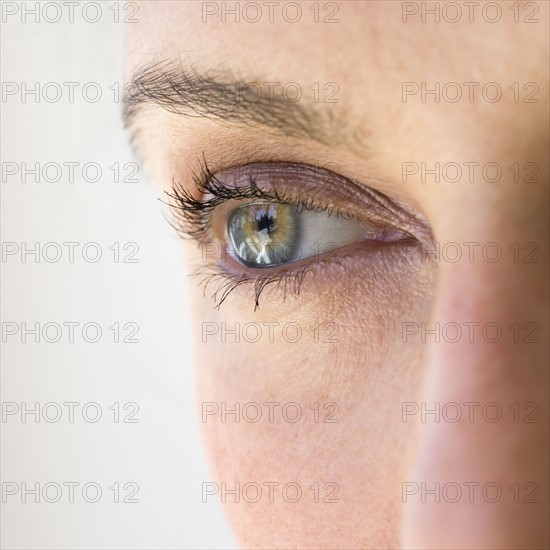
<point x="221" y="96"/>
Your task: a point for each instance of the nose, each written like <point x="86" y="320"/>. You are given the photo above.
<point x="480" y="478"/>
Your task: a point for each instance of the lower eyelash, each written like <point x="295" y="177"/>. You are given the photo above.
<point x="286" y="281"/>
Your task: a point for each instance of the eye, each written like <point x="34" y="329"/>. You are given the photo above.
<point x="271" y="223"/>
<point x="269" y="234"/>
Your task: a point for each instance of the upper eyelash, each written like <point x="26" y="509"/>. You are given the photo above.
<point x="191" y="215"/>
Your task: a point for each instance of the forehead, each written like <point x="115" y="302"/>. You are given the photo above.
<point x="355" y="57"/>
<point x="354" y="42"/>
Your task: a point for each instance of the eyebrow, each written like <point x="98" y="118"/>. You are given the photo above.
<point x="222" y="97"/>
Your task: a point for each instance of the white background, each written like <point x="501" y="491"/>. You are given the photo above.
<point x="162" y="452"/>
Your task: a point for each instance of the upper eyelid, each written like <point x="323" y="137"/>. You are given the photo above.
<point x="300" y="182"/>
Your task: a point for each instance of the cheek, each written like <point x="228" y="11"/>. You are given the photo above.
<point x="313" y="426"/>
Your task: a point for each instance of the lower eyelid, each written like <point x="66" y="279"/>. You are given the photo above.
<point x="366" y="249"/>
<point x="359" y="265"/>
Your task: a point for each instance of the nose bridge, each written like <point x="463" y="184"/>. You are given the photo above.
<point x="489" y="327"/>
<point x="484" y="424"/>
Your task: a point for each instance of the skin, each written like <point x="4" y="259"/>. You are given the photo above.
<point x="371" y="372"/>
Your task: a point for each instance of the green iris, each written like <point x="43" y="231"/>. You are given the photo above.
<point x="265" y="234"/>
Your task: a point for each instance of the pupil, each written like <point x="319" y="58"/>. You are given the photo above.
<point x="267" y="223"/>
